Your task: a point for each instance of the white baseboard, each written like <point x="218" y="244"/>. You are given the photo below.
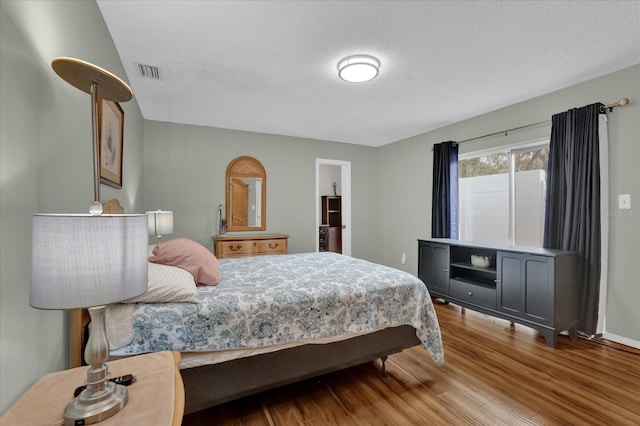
<point x="622" y="340"/>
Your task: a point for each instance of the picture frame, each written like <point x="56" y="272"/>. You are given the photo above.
<point x="110" y="142"/>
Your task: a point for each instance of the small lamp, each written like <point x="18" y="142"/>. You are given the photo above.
<point x="160" y="223"/>
<point x="88" y="261"/>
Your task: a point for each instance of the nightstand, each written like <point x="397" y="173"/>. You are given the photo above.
<point x="155" y="398"/>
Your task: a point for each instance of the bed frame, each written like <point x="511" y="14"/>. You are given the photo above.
<point x="215" y="384"/>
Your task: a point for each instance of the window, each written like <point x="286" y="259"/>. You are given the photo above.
<point x="502" y="195"/>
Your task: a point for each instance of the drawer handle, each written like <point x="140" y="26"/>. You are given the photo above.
<point x="234" y="248"/>
<point x="496" y="281"/>
<point x="273" y="245"/>
<point x="445" y="269"/>
<point x="470" y="294"/>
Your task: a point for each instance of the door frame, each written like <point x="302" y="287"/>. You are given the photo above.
<point x="345" y="177"/>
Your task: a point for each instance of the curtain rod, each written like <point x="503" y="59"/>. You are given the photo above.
<point x="539" y="123"/>
<point x="622" y="102"/>
<point x="603" y="108"/>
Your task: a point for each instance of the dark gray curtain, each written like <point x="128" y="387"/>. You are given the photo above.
<point x="444" y="199"/>
<point x="572" y="212"/>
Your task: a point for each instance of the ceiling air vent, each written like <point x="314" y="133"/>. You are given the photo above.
<point x="149" y="71"/>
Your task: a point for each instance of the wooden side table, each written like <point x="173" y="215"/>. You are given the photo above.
<point x="155" y="398"/>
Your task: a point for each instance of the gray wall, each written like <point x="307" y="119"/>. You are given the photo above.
<point x="46" y="166"/>
<point x="405" y="181"/>
<point x="184" y="171"/>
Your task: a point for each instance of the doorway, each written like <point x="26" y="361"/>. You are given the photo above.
<point x="328" y="172"/>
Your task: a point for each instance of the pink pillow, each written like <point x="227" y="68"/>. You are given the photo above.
<point x="190" y="256"/>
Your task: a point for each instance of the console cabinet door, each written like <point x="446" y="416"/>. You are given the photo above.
<point x="525" y="286"/>
<point x="433" y="267"/>
<point x="538" y="286"/>
<point x="510" y="274"/>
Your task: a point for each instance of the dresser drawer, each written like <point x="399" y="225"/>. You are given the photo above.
<point x="255" y="245"/>
<point x="233" y="248"/>
<point x="478" y="294"/>
<point x="276" y="246"/>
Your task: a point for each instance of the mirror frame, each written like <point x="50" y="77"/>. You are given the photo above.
<point x="245" y="167"/>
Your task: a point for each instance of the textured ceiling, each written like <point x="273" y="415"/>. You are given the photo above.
<point x="270" y="66"/>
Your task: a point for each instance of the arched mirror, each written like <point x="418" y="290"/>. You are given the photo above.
<point x="246" y="195"/>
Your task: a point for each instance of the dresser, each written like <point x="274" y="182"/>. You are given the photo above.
<point x="225" y="246"/>
<point x="534" y="287"/>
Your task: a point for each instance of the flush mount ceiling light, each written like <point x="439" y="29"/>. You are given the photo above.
<point x="358" y="68"/>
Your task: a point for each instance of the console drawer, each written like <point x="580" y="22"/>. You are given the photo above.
<point x="470" y="292"/>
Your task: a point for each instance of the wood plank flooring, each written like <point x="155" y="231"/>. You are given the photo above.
<point x="494" y="374"/>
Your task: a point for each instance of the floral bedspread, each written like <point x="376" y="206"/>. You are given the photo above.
<point x="269" y="300"/>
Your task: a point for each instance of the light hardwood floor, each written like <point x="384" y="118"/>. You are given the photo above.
<point x="494" y="374"/>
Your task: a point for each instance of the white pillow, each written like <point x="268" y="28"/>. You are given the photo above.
<point x="167" y="284"/>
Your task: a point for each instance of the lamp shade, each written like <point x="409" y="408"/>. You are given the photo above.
<point x="83" y="261"/>
<point x="160" y="222"/>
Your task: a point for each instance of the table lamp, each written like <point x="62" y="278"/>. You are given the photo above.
<point x="89" y="261"/>
<point x="160" y="223"/>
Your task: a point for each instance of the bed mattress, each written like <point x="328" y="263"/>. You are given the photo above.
<point x="268" y="302"/>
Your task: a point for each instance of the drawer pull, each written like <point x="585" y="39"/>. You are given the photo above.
<point x="496" y="281"/>
<point x="470" y="294"/>
<point x="273" y="245"/>
<point x="445" y="269"/>
<point x="235" y="248"/>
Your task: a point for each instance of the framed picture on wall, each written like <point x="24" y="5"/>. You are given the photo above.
<point x="111" y="137"/>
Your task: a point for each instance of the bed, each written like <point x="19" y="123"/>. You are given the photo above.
<point x="274" y="320"/>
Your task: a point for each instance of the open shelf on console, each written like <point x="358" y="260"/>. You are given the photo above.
<point x="469" y="266"/>
<point x="475" y="280"/>
<point x="462" y="269"/>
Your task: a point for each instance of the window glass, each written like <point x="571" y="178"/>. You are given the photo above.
<point x="502" y="196"/>
<point x="530" y="192"/>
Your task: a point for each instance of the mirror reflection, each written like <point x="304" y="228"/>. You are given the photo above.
<point x="245" y="195"/>
<point x="245" y="201"/>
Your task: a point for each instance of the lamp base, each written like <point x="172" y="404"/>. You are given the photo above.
<point x="93" y="407"/>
